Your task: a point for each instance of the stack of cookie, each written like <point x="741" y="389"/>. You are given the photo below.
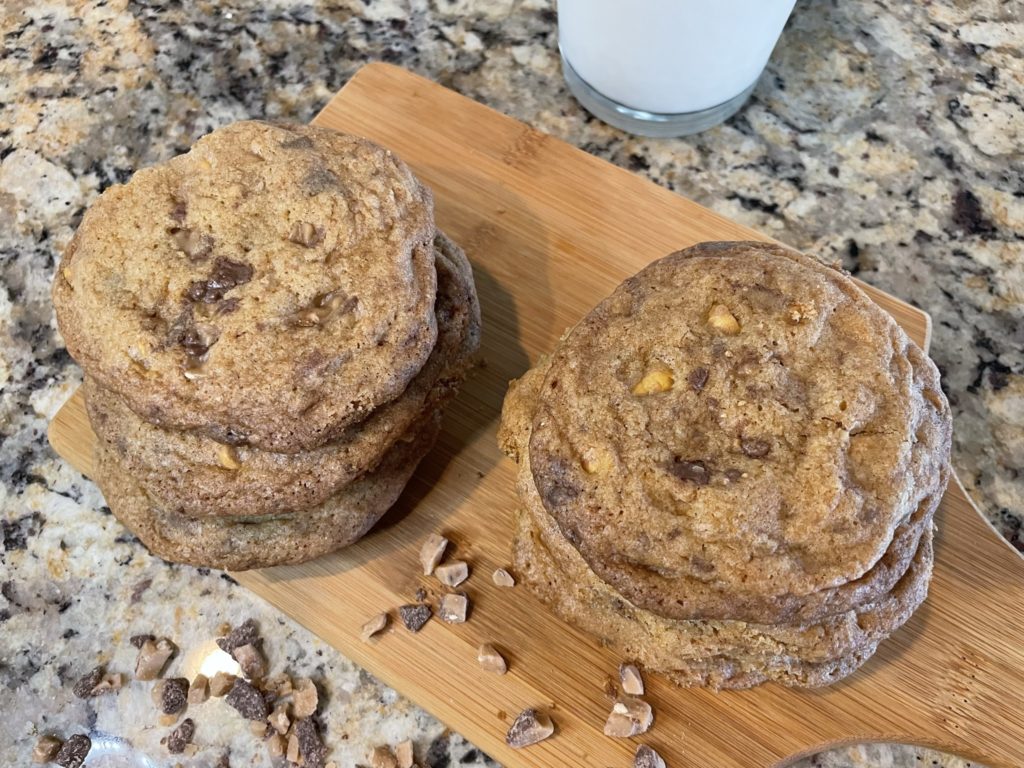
<point x="269" y="327"/>
<point x="728" y="470"/>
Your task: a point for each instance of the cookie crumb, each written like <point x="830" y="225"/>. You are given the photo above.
<point x="431" y="552"/>
<point x="530" y="727"/>
<point x="452" y="574"/>
<point x="503" y="578"/>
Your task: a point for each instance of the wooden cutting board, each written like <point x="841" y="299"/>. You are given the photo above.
<point x="550" y="231"/>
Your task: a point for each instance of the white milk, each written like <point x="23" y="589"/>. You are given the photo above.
<point x="670" y="56"/>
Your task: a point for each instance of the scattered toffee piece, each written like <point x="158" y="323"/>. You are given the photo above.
<point x="311" y="748"/>
<point x="246" y="633"/>
<point x="74" y="751"/>
<point x="647" y="758"/>
<point x="84" y="686"/>
<point x="530" y="727"/>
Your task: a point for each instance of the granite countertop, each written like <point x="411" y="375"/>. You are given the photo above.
<point x="886" y="137"/>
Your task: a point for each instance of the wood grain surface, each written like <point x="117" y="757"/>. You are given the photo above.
<point x="551" y="231"/>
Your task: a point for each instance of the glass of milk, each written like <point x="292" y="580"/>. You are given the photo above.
<point x="666" y="67"/>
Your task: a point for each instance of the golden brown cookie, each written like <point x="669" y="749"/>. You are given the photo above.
<point x="719" y="654"/>
<point x="196" y="476"/>
<point x="269" y="288"/>
<point x="738" y="432"/>
<point x="260" y="541"/>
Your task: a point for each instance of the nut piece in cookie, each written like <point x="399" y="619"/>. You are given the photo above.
<point x="530" y="727"/>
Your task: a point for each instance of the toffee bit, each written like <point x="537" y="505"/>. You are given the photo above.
<point x="199" y="690"/>
<point x="431" y="552"/>
<point x="373" y="626"/>
<point x="305" y="698"/>
<point x="490" y="660"/>
<point x="632" y="682"/>
<point x="383" y="757"/>
<point x="137" y="641"/>
<point x="221" y="683"/>
<point x="452" y="574"/>
<point x="630" y="716"/>
<point x="84" y="686"/>
<point x="246" y="633"/>
<point x="153" y="656"/>
<point x="251" y="660"/>
<point x="646" y="757"/>
<point x="404" y="755"/>
<point x="46" y="749"/>
<point x="453" y="608"/>
<point x="530" y="727"/>
<point x="503" y="578"/>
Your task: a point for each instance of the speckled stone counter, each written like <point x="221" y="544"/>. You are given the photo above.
<point x="888" y="136"/>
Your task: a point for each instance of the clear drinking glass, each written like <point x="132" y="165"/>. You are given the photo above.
<point x="666" y="67"/>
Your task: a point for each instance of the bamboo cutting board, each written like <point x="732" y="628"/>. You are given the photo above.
<point x="551" y="231"/>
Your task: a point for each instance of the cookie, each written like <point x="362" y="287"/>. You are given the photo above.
<point x="513" y="437"/>
<point x="718" y="654"/>
<point x="270" y="288"/>
<point x="738" y="432"/>
<point x="260" y="541"/>
<point x="197" y="476"/>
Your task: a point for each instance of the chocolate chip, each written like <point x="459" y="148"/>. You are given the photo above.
<point x="225" y="275"/>
<point x="311" y="749"/>
<point x="198" y="339"/>
<point x="733" y="475"/>
<point x="73" y="752"/>
<point x="246" y="633"/>
<point x="415" y="616"/>
<point x="137" y="641"/>
<point x="299" y="142"/>
<point x="755" y="448"/>
<point x="694" y="471"/>
<point x="84" y="686"/>
<point x="227" y="306"/>
<point x="181" y="736"/>
<point x="179" y="211"/>
<point x="319" y="179"/>
<point x="173" y="695"/>
<point x="248" y="701"/>
<point x="697" y="379"/>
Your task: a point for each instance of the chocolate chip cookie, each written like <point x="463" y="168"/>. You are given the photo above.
<point x="197" y="476"/>
<point x="270" y="288"/>
<point x="738" y="432"/>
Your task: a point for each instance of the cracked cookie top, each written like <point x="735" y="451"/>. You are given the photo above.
<point x="270" y="287"/>
<point x="740" y="420"/>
